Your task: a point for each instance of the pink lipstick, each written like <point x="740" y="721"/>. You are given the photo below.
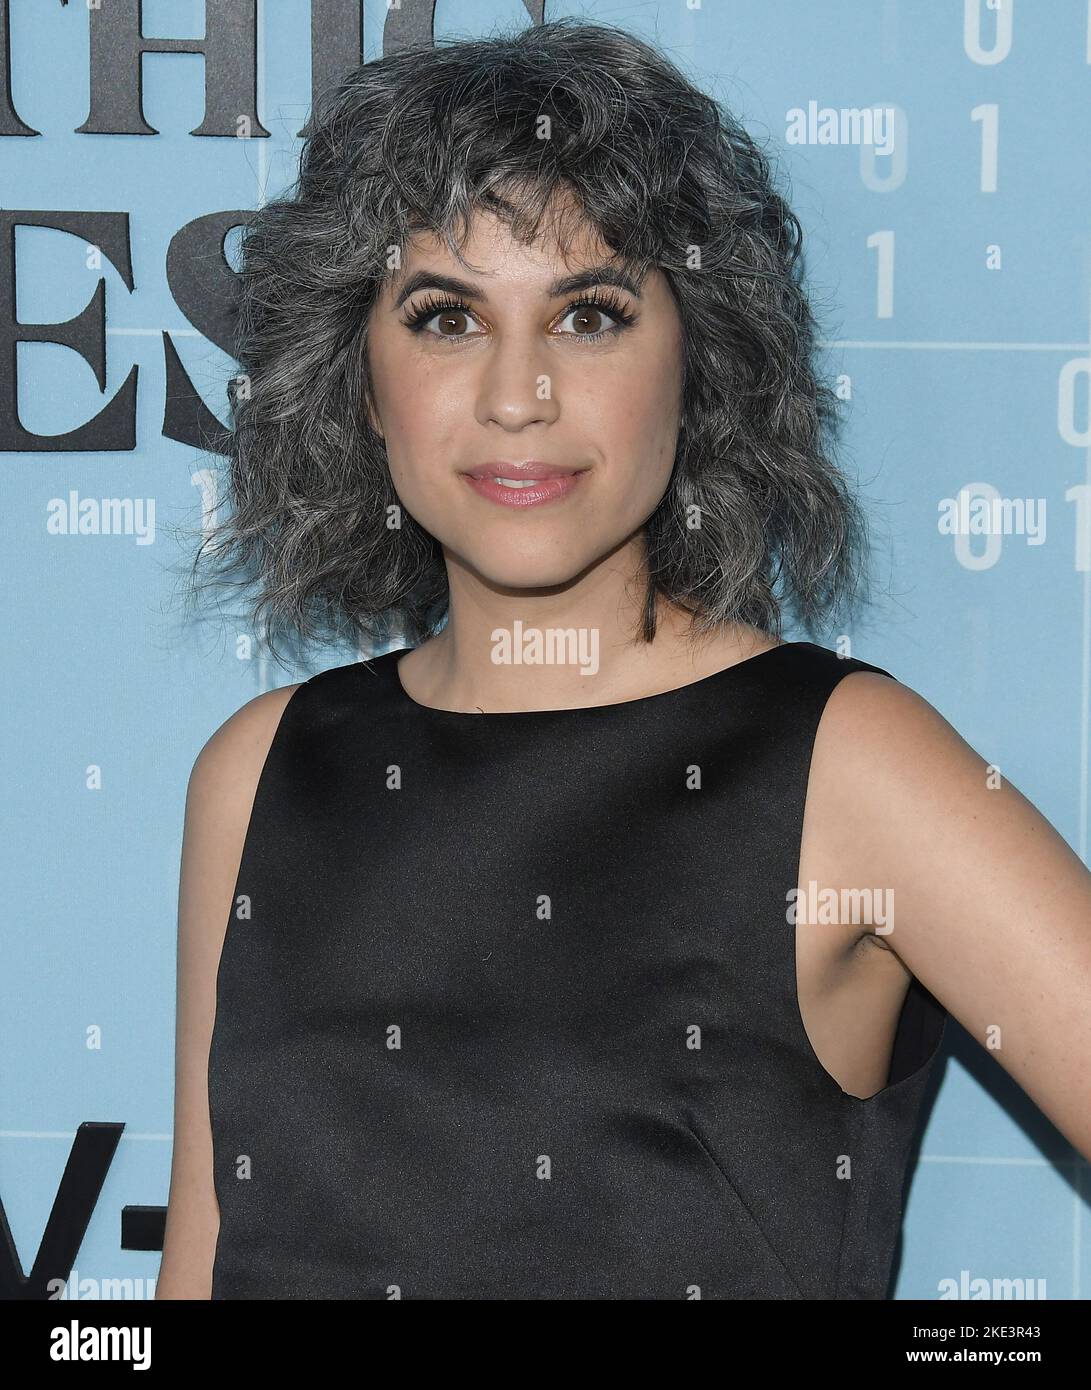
<point x="526" y="484"/>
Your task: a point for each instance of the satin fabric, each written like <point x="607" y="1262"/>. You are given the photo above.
<point x="507" y="1008"/>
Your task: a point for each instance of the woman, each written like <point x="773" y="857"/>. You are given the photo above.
<point x="562" y="958"/>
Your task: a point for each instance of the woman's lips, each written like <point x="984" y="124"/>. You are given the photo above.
<point x="531" y="495"/>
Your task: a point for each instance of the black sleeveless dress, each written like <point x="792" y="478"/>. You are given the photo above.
<point x="507" y="1007"/>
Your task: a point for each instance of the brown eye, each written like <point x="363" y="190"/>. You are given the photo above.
<point x="452" y="323"/>
<point x="587" y="320"/>
<point x="591" y="321"/>
<point x="451" y="318"/>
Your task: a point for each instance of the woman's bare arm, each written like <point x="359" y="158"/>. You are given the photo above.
<point x="218" y="805"/>
<point x="992" y="908"/>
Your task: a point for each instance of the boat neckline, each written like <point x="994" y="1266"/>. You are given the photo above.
<point x="393" y="661"/>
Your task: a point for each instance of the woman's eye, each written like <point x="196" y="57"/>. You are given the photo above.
<point x="451" y="323"/>
<point x="589" y="322"/>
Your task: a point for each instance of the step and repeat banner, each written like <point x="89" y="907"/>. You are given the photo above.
<point x="935" y="152"/>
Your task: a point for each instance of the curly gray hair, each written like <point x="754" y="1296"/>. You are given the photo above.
<point x="419" y="141"/>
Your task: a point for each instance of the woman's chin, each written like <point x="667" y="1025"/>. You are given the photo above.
<point x="529" y="574"/>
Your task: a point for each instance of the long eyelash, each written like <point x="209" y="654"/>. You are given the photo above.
<point x="603" y="299"/>
<point x="597" y="299"/>
<point x="429" y="308"/>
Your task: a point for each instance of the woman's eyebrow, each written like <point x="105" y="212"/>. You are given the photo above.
<point x="569" y="284"/>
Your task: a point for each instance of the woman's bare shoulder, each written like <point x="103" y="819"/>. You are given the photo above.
<point x="883" y="759"/>
<point x="242" y="742"/>
<point x="224" y="780"/>
<point x="883" y="726"/>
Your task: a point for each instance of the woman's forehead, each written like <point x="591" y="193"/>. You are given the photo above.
<point x="489" y="237"/>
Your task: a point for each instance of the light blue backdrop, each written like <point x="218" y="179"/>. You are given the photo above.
<point x="967" y="357"/>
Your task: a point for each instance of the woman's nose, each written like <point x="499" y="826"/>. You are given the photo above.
<point x="517" y="386"/>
